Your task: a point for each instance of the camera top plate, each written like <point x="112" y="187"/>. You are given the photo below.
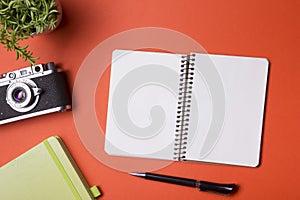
<point x="27" y="72"/>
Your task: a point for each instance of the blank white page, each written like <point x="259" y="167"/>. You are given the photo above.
<point x="142" y="104"/>
<point x="227" y="109"/>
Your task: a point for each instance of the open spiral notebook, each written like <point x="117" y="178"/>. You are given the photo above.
<point x="196" y="107"/>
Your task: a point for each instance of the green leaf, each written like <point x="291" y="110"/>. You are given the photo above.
<point x="20" y="18"/>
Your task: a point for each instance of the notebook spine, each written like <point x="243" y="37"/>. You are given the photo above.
<point x="183" y="107"/>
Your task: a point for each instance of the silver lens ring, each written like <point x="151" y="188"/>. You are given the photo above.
<point x="20" y="97"/>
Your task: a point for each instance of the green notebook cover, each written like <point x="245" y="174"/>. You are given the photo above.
<point x="48" y="172"/>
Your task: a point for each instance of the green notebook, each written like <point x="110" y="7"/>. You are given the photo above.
<point x="48" y="172"/>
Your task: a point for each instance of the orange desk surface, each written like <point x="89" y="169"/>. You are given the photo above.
<point x="262" y="28"/>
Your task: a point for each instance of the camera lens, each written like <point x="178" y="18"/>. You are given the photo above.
<point x="22" y="95"/>
<point x="19" y="95"/>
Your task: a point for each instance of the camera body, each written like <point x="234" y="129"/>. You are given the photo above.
<point x="33" y="91"/>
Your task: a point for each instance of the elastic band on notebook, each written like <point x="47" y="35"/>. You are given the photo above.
<point x="61" y="169"/>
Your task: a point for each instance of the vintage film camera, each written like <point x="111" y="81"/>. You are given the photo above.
<point x="33" y="91"/>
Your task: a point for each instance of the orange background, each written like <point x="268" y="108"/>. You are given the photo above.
<point x="267" y="28"/>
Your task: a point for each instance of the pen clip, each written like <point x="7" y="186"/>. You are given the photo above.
<point x="219" y="188"/>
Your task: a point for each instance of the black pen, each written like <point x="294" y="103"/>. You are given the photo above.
<point x="224" y="189"/>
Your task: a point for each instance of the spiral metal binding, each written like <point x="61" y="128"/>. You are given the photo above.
<point x="184" y="105"/>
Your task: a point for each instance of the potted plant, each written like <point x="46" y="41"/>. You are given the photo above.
<point x="21" y="19"/>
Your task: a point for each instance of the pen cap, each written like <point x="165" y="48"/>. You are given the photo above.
<point x="219" y="188"/>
